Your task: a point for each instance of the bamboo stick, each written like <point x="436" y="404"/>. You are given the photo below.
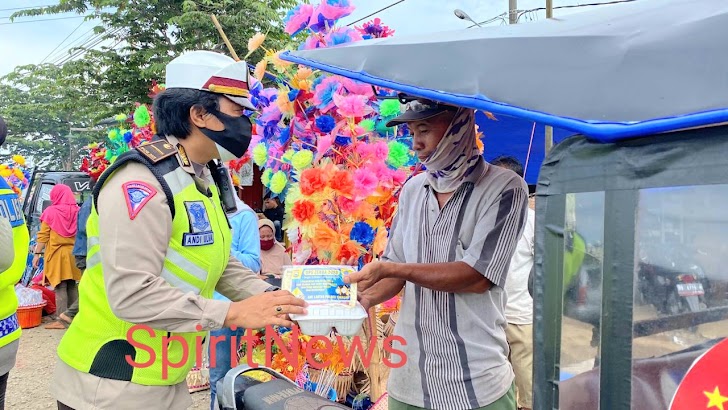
<point x="224" y="37"/>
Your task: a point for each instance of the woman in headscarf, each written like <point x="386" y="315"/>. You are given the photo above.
<point x="55" y="240"/>
<point x="273" y="255"/>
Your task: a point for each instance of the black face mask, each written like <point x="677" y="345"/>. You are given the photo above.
<point x="235" y="138"/>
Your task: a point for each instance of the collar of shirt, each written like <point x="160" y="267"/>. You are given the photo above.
<point x="200" y="173"/>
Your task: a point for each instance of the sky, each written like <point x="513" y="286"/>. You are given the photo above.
<point x="32" y="40"/>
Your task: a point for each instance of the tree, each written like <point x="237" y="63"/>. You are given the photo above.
<point x="148" y="34"/>
<point x="41" y="104"/>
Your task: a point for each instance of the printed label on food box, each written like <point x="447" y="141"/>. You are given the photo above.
<point x="320" y="284"/>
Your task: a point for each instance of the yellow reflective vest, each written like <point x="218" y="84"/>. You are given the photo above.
<point x="98" y="342"/>
<point x="11" y="210"/>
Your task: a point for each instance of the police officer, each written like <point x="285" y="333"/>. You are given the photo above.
<point x="159" y="247"/>
<point x="9" y="327"/>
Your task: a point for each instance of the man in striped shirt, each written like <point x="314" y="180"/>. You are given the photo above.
<point x="450" y="247"/>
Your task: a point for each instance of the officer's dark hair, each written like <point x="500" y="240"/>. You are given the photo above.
<point x="172" y="109"/>
<point x="509" y="162"/>
<point x="3" y="131"/>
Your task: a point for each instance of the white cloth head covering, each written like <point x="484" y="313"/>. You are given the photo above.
<point x="456" y="157"/>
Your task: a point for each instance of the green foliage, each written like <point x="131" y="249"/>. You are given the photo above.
<point x="148" y="34"/>
<point x="41" y="103"/>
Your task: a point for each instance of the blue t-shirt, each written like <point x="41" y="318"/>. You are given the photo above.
<point x="246" y="240"/>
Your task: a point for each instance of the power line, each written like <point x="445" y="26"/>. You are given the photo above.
<point x="61" y="53"/>
<point x="378" y="11"/>
<point x="27" y="8"/>
<point x="38" y="21"/>
<point x="64" y="40"/>
<point x="522" y="12"/>
<point x="86" y="47"/>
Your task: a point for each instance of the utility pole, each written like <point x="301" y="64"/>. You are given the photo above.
<point x="512" y="11"/>
<point x="549" y="131"/>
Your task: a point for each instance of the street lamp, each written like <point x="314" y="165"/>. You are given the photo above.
<point x="464" y="16"/>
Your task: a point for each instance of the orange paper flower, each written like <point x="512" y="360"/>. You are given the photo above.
<point x="303" y="211"/>
<point x="380" y="242"/>
<point x="312" y="181"/>
<point x="343" y="183"/>
<point x="325" y="237"/>
<point x="348" y="250"/>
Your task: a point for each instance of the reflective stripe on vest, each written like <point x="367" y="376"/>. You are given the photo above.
<point x="98" y="342"/>
<point x="11" y="210"/>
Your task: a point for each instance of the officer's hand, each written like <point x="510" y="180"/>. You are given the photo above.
<point x="266" y="309"/>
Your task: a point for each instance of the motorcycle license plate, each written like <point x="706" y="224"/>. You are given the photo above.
<point x="690" y="289"/>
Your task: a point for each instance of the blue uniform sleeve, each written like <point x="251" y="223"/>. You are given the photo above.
<point x="246" y="240"/>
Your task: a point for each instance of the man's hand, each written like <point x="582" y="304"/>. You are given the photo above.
<point x="270" y="308"/>
<point x="369" y="275"/>
<point x="365" y="299"/>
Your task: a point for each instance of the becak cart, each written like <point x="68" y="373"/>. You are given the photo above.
<point x="629" y="285"/>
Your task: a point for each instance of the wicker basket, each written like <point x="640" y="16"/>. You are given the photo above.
<point x="198" y="380"/>
<point x="343" y="384"/>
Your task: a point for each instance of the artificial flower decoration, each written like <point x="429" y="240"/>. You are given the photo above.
<point x="321" y="144"/>
<point x="374" y="29"/>
<point x="16" y="174"/>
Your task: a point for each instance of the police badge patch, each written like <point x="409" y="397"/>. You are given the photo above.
<point x="200" y="227"/>
<point x="138" y="193"/>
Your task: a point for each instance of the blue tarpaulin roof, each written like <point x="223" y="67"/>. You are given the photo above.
<point x="512" y="136"/>
<point x="633" y="69"/>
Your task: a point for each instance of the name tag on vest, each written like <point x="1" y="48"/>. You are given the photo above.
<point x="198" y="239"/>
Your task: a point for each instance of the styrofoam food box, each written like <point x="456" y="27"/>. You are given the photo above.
<point x="321" y="318"/>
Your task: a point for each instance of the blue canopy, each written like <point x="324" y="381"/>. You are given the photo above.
<point x="627" y="70"/>
<point x="512" y="136"/>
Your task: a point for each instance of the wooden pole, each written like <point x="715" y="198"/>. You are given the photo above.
<point x="375" y="367"/>
<point x="549" y="131"/>
<point x="512" y="11"/>
<point x="224" y="37"/>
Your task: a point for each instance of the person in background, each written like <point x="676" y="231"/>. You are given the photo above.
<point x="519" y="308"/>
<point x="246" y="248"/>
<point x="59" y="223"/>
<point x="450" y="246"/>
<point x="273" y="255"/>
<point x="79" y="253"/>
<point x="10" y="330"/>
<point x="273" y="210"/>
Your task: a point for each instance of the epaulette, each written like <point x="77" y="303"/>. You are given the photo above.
<point x="156" y="151"/>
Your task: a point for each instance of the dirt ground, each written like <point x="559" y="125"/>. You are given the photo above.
<point x="28" y="384"/>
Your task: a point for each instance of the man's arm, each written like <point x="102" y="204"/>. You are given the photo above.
<point x="132" y="255"/>
<point x="487" y="259"/>
<point x="246" y="244"/>
<point x="459" y="278"/>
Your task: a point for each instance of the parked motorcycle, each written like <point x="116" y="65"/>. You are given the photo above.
<point x="240" y="392"/>
<point x="672" y="282"/>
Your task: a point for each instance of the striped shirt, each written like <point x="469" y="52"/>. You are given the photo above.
<point x="456" y="348"/>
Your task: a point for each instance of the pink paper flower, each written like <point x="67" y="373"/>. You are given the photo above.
<point x="356" y="87"/>
<point x="365" y="182"/>
<point x="353" y="105"/>
<point x="298" y="18"/>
